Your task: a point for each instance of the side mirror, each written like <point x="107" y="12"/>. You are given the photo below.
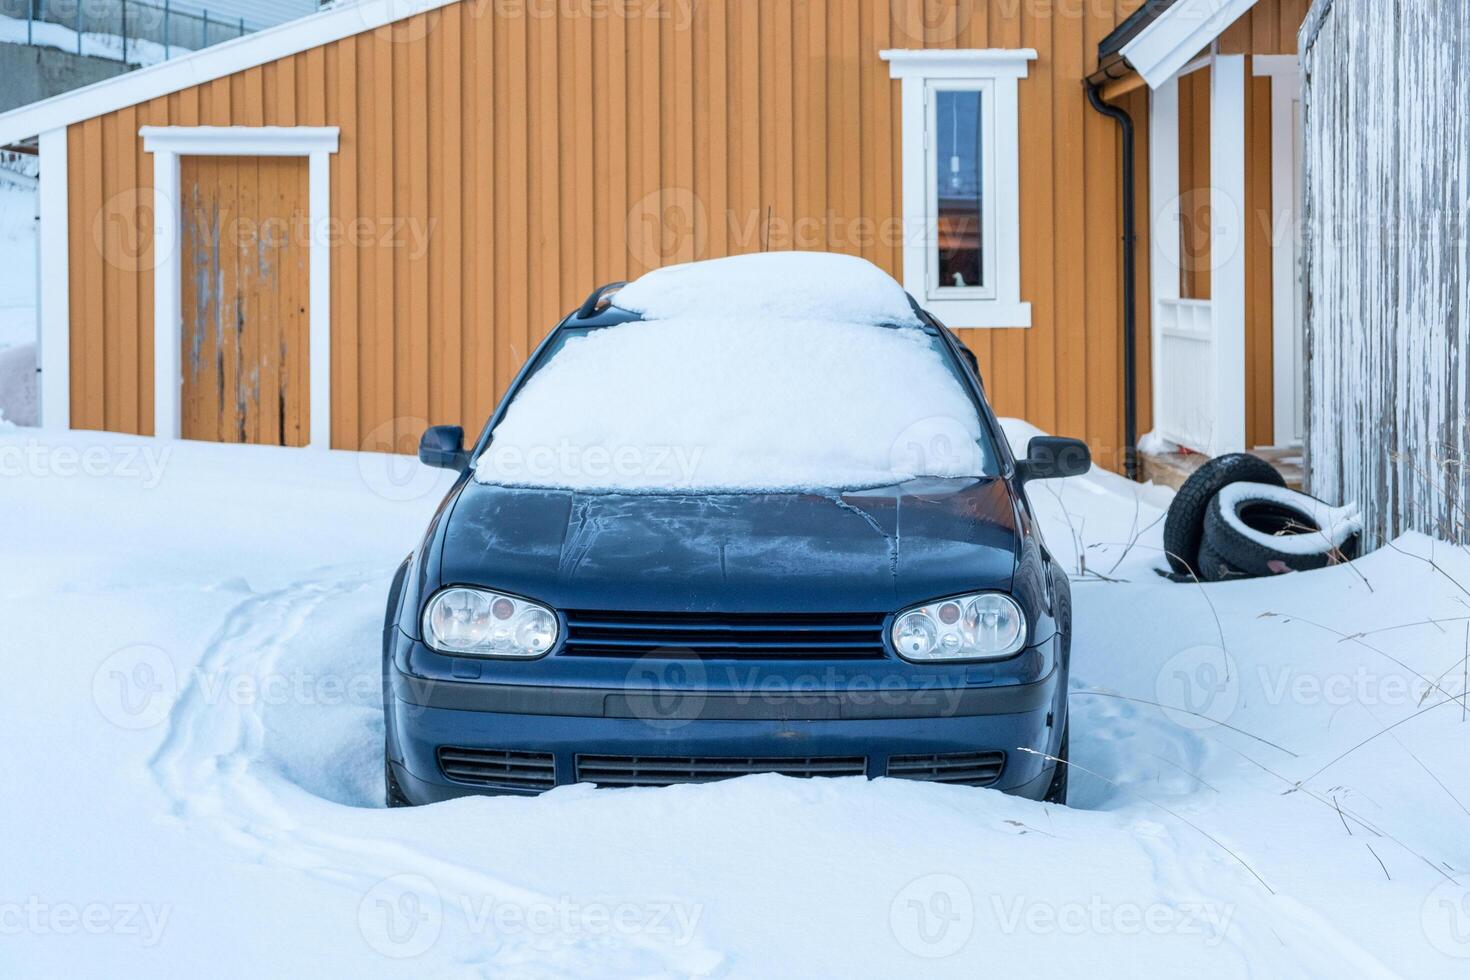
<point x="1053" y="457"/>
<point x="443" y="446"/>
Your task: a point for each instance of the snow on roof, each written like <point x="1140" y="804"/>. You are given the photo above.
<point x="740" y="384"/>
<point x="782" y="285"/>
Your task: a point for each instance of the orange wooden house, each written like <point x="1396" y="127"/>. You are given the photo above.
<point x="342" y="229"/>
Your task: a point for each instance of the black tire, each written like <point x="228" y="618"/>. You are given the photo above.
<point x="392" y="792"/>
<point x="1268" y="513"/>
<point x="1184" y="527"/>
<point x="1063" y="590"/>
<point x="1213" y="568"/>
<point x="1057" y="791"/>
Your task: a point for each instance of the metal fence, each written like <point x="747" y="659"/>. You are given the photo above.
<point x="124" y="30"/>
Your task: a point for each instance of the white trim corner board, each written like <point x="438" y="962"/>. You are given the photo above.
<point x="53" y="357"/>
<point x="1227" y="210"/>
<point x="1286" y="348"/>
<point x="168" y="144"/>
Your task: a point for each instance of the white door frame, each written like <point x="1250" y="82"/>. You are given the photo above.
<point x="1286" y="347"/>
<point x="167" y="144"/>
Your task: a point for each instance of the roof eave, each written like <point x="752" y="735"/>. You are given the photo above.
<point x="1161" y="38"/>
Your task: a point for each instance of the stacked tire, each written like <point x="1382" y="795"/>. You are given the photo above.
<point x="1235" y="518"/>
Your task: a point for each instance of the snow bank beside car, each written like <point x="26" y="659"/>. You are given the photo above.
<point x="18" y="385"/>
<point x="1099" y="525"/>
<point x="1269" y="774"/>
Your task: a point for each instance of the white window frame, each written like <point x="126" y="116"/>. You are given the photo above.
<point x="996" y="74"/>
<point x="168" y="144"/>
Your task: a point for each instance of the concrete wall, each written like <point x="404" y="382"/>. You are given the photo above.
<point x="28" y="74"/>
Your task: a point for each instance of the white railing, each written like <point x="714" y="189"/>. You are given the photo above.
<point x="1186" y="405"/>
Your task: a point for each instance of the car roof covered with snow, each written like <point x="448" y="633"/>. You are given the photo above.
<point x="763" y="372"/>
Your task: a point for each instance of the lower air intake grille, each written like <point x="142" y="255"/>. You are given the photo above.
<point x="498" y="768"/>
<point x="965" y="768"/>
<point x="642" y="770"/>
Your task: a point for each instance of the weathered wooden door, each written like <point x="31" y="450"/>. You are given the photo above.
<point x="245" y="295"/>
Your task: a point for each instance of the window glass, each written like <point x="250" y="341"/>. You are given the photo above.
<point x="959" y="183"/>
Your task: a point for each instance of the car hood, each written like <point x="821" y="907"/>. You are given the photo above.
<point x="860" y="551"/>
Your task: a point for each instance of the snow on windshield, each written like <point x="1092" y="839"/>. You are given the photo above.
<point x="744" y="400"/>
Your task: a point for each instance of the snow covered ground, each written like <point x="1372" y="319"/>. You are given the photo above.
<point x="192" y="764"/>
<point x="17" y="303"/>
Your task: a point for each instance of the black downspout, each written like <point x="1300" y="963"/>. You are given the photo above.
<point x="1130" y="298"/>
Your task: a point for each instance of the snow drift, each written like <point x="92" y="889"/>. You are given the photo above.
<point x="1269" y="775"/>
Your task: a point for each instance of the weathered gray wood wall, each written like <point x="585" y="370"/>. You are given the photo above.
<point x="1386" y="287"/>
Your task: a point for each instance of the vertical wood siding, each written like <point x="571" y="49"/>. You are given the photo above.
<point x="1270" y="27"/>
<point x="498" y="161"/>
<point x="1259" y="233"/>
<point x="1195" y="254"/>
<point x="1387" y="280"/>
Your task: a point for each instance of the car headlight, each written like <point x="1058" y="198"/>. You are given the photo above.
<point x="482" y="623"/>
<point x="982" y="626"/>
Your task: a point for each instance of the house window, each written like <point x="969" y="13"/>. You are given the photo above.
<point x="961" y="209"/>
<point x="961" y="245"/>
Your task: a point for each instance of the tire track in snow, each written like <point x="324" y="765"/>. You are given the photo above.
<point x="213" y="766"/>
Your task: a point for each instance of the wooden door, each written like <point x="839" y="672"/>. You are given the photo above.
<point x="245" y="293"/>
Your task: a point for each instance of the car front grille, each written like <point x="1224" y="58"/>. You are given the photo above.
<point x="844" y="636"/>
<point x="639" y="770"/>
<point x="963" y="768"/>
<point x="498" y="768"/>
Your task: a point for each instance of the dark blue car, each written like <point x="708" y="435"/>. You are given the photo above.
<point x="542" y="636"/>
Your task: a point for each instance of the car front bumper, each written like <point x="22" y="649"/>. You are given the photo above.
<point x="902" y="715"/>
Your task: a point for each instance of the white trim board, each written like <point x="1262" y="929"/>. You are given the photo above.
<point x="54" y="296"/>
<point x="1227" y="276"/>
<point x="1164" y="259"/>
<point x="167" y="144"/>
<point x="1178" y="34"/>
<point x="1000" y="71"/>
<point x="958" y="63"/>
<point x="208" y="64"/>
<point x="1286" y="353"/>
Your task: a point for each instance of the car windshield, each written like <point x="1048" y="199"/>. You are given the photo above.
<point x="709" y="404"/>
